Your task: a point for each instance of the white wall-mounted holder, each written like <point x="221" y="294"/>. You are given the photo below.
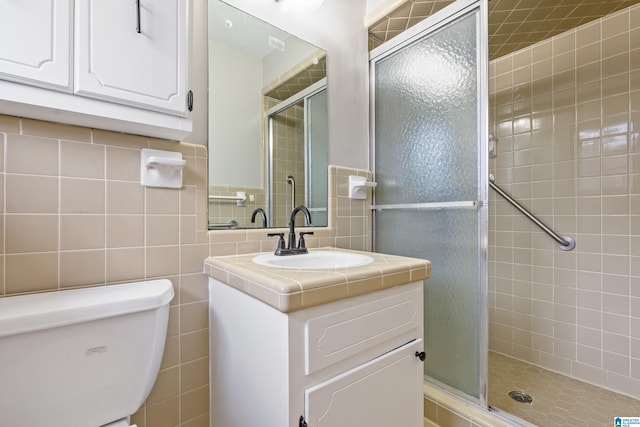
<point x="159" y="168"/>
<point x="358" y="186"/>
<point x="493" y="146"/>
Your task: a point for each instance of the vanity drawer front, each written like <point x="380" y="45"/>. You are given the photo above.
<point x="369" y="328"/>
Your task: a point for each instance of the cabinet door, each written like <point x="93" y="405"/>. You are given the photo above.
<point x="386" y="391"/>
<point x="117" y="63"/>
<point x="36" y="42"/>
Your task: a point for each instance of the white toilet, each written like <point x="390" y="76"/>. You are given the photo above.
<point x="81" y="358"/>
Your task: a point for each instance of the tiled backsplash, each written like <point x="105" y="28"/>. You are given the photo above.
<point x="567" y="114"/>
<point x="73" y="214"/>
<point x="349" y="223"/>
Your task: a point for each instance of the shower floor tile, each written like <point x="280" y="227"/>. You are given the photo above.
<point x="557" y="400"/>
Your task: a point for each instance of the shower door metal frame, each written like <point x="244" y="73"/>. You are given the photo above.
<point x="431" y="24"/>
<point x="302" y="96"/>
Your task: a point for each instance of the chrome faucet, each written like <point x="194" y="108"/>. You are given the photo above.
<point x="262" y="213"/>
<point x="291" y="248"/>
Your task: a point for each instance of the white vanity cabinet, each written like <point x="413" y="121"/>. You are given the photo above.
<point x="36" y="42"/>
<point x="84" y="63"/>
<point x="355" y="361"/>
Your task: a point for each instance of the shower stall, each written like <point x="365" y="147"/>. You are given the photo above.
<point x="505" y="299"/>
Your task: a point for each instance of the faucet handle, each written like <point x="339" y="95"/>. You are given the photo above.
<point x="281" y="243"/>
<point x="301" y="242"/>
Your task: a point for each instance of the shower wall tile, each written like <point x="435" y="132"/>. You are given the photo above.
<point x="569" y="149"/>
<point x="74" y="214"/>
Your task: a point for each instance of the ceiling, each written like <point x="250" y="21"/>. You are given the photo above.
<point x="513" y="24"/>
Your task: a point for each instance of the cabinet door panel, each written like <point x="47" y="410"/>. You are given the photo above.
<point x="384" y="392"/>
<point x="115" y="62"/>
<point x="336" y="336"/>
<point x="36" y="42"/>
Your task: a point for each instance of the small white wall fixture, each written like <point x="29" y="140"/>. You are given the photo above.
<point x="358" y="186"/>
<point x="159" y="168"/>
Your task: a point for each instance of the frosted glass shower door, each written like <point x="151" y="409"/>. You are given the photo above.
<point x="429" y="108"/>
<point x="317" y="155"/>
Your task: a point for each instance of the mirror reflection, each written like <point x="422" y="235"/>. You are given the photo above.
<point x="268" y="133"/>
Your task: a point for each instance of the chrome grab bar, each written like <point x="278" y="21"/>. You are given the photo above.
<point x="292" y="182"/>
<point x="564" y="243"/>
<point x="231" y="225"/>
<point x="234" y="198"/>
<point x="240" y="198"/>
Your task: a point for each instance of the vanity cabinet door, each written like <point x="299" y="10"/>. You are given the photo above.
<point x="36" y="42"/>
<point x="141" y="65"/>
<point x="386" y="391"/>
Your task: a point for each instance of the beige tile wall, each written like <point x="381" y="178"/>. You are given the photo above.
<point x="567" y="113"/>
<point x="73" y="214"/>
<point x="349" y="223"/>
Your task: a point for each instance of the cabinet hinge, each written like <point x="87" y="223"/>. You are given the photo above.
<point x="190" y="100"/>
<point x="302" y="422"/>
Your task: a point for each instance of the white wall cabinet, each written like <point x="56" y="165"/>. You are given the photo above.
<point x="133" y="52"/>
<point x="350" y="362"/>
<point x="84" y="63"/>
<point x="36" y="42"/>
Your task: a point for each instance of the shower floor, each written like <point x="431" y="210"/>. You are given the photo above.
<point x="557" y="400"/>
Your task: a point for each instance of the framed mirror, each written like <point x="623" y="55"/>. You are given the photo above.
<point x="267" y="123"/>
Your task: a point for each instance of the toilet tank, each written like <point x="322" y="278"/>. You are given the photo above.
<point x="83" y="357"/>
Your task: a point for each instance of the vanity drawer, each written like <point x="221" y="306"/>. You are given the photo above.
<point x="368" y="328"/>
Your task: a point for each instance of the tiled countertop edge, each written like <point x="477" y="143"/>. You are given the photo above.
<point x="294" y="289"/>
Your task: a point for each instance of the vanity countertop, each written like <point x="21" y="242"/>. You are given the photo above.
<point x="289" y="289"/>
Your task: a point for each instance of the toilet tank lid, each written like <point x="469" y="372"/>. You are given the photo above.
<point x="27" y="313"/>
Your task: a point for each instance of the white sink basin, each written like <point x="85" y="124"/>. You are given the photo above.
<point x="322" y="260"/>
